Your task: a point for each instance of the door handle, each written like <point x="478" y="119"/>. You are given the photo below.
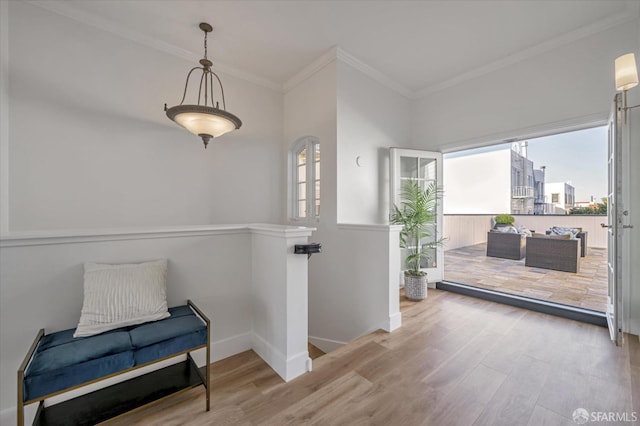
<point x="604" y="225"/>
<point x="627" y="226"/>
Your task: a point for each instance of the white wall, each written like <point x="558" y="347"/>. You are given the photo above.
<point x="350" y="263"/>
<point x="466" y="230"/>
<point x="479" y="183"/>
<point x="568" y="87"/>
<point x="632" y="236"/>
<point x="310" y="110"/>
<point x="371" y="119"/>
<point x="102" y="153"/>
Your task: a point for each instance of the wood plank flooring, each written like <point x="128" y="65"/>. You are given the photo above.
<point x="585" y="289"/>
<point x="314" y="351"/>
<point x="455" y="361"/>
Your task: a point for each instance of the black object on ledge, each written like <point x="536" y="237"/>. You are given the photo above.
<point x="308" y="249"/>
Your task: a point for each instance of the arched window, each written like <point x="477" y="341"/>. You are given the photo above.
<point x="305" y="179"/>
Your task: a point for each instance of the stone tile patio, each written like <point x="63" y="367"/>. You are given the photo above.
<point x="585" y="289"/>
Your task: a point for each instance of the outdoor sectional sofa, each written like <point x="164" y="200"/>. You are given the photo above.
<point x="506" y="245"/>
<point x="553" y="252"/>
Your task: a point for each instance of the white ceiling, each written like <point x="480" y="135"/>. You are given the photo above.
<point x="420" y="46"/>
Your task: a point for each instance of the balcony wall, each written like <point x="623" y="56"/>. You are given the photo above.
<point x="468" y="230"/>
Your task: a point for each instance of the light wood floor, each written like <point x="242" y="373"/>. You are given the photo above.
<point x="455" y="361"/>
<point x="585" y="289"/>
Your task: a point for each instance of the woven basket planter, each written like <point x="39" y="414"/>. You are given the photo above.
<point x="415" y="287"/>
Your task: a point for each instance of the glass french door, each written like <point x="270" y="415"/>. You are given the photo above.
<point x="423" y="167"/>
<point x="615" y="227"/>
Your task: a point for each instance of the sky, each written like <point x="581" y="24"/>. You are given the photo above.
<point x="578" y="157"/>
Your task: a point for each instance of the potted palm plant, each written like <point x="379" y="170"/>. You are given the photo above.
<point x="417" y="215"/>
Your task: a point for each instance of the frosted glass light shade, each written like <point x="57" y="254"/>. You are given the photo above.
<point x="206" y="122"/>
<point x="626" y="72"/>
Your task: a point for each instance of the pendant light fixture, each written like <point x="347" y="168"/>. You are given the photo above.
<point x="204" y="120"/>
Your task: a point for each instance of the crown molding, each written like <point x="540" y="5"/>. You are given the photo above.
<point x="337" y="53"/>
<point x="632" y="12"/>
<point x="68" y="11"/>
<point x="374" y="73"/>
<point x="325" y="59"/>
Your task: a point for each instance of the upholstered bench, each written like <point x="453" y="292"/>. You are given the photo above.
<point x="58" y="362"/>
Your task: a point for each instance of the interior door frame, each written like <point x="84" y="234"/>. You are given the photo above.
<point x="615" y="215"/>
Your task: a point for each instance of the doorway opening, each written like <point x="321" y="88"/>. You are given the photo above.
<point x="555" y="189"/>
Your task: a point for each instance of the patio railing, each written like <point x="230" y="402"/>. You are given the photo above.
<point x="467" y="230"/>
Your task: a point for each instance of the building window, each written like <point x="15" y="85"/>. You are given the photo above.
<point x="305" y="179"/>
<point x="555" y="198"/>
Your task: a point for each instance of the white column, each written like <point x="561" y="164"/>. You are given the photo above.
<point x="280" y="298"/>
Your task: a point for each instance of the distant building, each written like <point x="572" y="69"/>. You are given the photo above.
<point x="498" y="180"/>
<point x="587" y="204"/>
<point x="522" y="180"/>
<point x="562" y="195"/>
<point x="540" y="205"/>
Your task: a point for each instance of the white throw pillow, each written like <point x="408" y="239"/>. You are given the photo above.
<point x="120" y="295"/>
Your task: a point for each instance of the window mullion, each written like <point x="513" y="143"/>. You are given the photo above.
<point x="310" y="177"/>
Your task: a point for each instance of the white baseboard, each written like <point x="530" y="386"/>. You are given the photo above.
<point x="287" y="368"/>
<point x="326" y="345"/>
<point x="393" y="323"/>
<point x="8" y="416"/>
<point x="224" y="348"/>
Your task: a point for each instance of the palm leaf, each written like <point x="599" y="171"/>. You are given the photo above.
<point x="417" y="214"/>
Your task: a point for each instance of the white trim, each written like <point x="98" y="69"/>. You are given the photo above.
<point x="596" y="27"/>
<point x="224" y="348"/>
<point x="537" y="131"/>
<point x="626" y="261"/>
<point x="373" y="73"/>
<point x="287" y="368"/>
<point x="326" y="345"/>
<point x="318" y="64"/>
<point x="68" y="11"/>
<point x="20" y="239"/>
<point x="282" y="231"/>
<point x="4" y="117"/>
<point x="334" y="53"/>
<point x="307" y="143"/>
<point x="337" y="53"/>
<point x="393" y="323"/>
<point x="374" y="228"/>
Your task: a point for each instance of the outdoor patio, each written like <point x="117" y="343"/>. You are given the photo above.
<point x="585" y="289"/>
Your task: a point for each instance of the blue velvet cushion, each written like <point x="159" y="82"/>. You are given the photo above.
<point x="67" y="352"/>
<point x="160" y="339"/>
<point x="39" y="385"/>
<point x="170" y="347"/>
<point x="158" y="331"/>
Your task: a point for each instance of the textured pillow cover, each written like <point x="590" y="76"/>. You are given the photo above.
<point x="559" y="230"/>
<point x="120" y="295"/>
